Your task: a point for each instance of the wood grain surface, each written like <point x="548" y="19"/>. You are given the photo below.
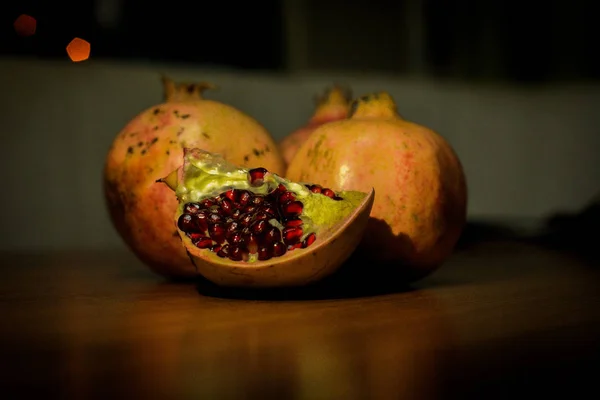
<point x="497" y="320"/>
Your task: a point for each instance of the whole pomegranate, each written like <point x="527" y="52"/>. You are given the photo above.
<point x="332" y="105"/>
<point x="421" y="193"/>
<point x="151" y="145"/>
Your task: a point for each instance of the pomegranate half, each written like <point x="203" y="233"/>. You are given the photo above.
<point x="332" y="105"/>
<point x="151" y="146"/>
<point x="421" y="202"/>
<point x="253" y="228"/>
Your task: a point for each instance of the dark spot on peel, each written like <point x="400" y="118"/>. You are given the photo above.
<point x="155" y="127"/>
<point x="185" y="116"/>
<point x="181" y="129"/>
<point x="154" y="140"/>
<point x="156" y="111"/>
<point x="191" y="87"/>
<point x="246" y="158"/>
<point x="267" y="148"/>
<point x="140" y="144"/>
<point x="175" y="234"/>
<point x="256" y="152"/>
<point x="168" y="152"/>
<point x="206" y="135"/>
<point x="130" y="150"/>
<point x="143" y="151"/>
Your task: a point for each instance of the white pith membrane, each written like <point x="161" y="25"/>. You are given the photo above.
<point x="207" y="178"/>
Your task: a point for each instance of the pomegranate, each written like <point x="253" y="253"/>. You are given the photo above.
<point x="420" y="209"/>
<point x="332" y="105"/>
<point x="150" y="146"/>
<point x="251" y="227"/>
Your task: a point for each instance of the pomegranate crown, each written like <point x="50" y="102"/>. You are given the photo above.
<point x="381" y="105"/>
<point x="184" y="91"/>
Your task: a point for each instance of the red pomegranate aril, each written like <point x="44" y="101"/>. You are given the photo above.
<point x="191" y="208"/>
<point x="223" y="251"/>
<point x="237" y="253"/>
<point x="315" y="188"/>
<point x="236" y="213"/>
<point x="207" y="203"/>
<point x="292" y="235"/>
<point x="194" y="236"/>
<point x="265" y="253"/>
<point x="232" y="227"/>
<point x="257" y="200"/>
<point x="258" y="227"/>
<point x="270" y="210"/>
<point x="230" y="194"/>
<point x="203" y="243"/>
<point x="227" y="206"/>
<point x="214" y="218"/>
<point x="256" y="176"/>
<point x="294" y="246"/>
<point x="310" y="239"/>
<point x="293" y="222"/>
<point x="217" y="233"/>
<point x="286" y="197"/>
<point x="292" y="209"/>
<point x="262" y="216"/>
<point x="187" y="223"/>
<point x="279" y="249"/>
<point x="236" y="238"/>
<point x="251" y="243"/>
<point x="245" y="219"/>
<point x="244" y="197"/>
<point x="328" y="192"/>
<point x="272" y="235"/>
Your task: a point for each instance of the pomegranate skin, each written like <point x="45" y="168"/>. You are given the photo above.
<point x="421" y="203"/>
<point x="151" y="145"/>
<point x="332" y="105"/>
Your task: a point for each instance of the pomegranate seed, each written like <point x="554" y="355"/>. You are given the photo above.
<point x="245" y="219"/>
<point x="236" y="238"/>
<point x="292" y="235"/>
<point x="257" y="200"/>
<point x="279" y="249"/>
<point x="227" y="206"/>
<point x="273" y="235"/>
<point x="230" y="194"/>
<point x="237" y="253"/>
<point x="262" y="216"/>
<point x="328" y="192"/>
<point x="202" y="220"/>
<point x="281" y="188"/>
<point x="293" y="208"/>
<point x="203" y="243"/>
<point x="250" y="208"/>
<point x="264" y="253"/>
<point x="217" y="233"/>
<point x="207" y="203"/>
<point x="236" y="213"/>
<point x="293" y="222"/>
<point x="187" y="223"/>
<point x="256" y="176"/>
<point x="270" y="210"/>
<point x="214" y="218"/>
<point x="232" y="227"/>
<point x="286" y="197"/>
<point x="294" y="246"/>
<point x="191" y="208"/>
<point x="258" y="227"/>
<point x="244" y="197"/>
<point x="251" y="243"/>
<point x="315" y="188"/>
<point x="223" y="251"/>
<point x="310" y="239"/>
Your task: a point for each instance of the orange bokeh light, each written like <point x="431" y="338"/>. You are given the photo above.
<point x="25" y="25"/>
<point x="78" y="50"/>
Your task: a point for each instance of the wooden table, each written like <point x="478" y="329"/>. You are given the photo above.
<point x="498" y="320"/>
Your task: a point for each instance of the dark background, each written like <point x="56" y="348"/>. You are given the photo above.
<point x="522" y="41"/>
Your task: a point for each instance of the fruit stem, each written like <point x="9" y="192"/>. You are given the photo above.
<point x="333" y="103"/>
<point x="374" y="105"/>
<point x="182" y="92"/>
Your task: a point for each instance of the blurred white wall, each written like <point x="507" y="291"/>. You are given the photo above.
<point x="527" y="152"/>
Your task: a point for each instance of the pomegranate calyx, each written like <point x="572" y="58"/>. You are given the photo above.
<point x="374" y="105"/>
<point x="332" y="104"/>
<point x="183" y="91"/>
